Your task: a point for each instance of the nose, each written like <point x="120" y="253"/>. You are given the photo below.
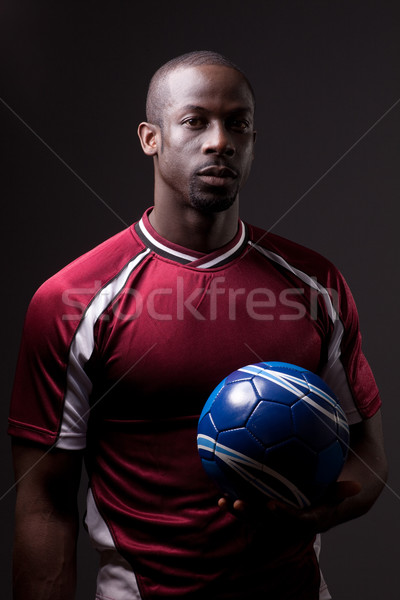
<point x="218" y="140"/>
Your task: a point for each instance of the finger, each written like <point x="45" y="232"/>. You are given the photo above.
<point x="223" y="503"/>
<point x="239" y="506"/>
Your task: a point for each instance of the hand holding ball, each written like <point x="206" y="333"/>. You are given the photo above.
<point x="273" y="430"/>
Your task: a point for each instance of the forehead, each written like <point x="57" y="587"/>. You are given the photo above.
<point x="208" y="86"/>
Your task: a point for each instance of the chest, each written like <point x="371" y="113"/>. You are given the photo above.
<point x="173" y="334"/>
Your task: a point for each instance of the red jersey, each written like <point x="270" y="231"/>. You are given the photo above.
<point x="120" y="351"/>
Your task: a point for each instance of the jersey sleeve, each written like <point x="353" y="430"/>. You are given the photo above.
<point x="347" y="370"/>
<point x="50" y="398"/>
<point x="52" y="388"/>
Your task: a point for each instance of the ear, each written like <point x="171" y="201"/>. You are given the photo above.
<point x="148" y="135"/>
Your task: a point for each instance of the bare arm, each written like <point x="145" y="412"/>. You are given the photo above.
<point x="366" y="464"/>
<point x="46" y="522"/>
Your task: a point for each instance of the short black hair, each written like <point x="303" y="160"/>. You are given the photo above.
<point x="156" y="99"/>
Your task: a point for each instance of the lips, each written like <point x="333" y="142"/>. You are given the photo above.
<point x="218" y="171"/>
<point x="217" y="176"/>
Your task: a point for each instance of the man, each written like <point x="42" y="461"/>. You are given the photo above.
<point x="123" y="346"/>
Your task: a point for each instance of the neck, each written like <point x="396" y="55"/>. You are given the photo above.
<point x="192" y="229"/>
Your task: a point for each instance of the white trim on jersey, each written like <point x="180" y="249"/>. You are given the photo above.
<point x="188" y="257"/>
<point x="323" y="588"/>
<point x="115" y="578"/>
<point x="227" y="254"/>
<point x="161" y="246"/>
<point x="79" y="386"/>
<point x="333" y="372"/>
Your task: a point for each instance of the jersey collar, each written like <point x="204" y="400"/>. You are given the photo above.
<point x="185" y="256"/>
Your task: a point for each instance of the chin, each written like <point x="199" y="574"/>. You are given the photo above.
<point x="212" y="205"/>
<point x="218" y="201"/>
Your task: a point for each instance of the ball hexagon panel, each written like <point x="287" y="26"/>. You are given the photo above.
<point x="238" y="376"/>
<point x="234" y="405"/>
<point x="242" y="441"/>
<point x="268" y="390"/>
<point x="271" y="422"/>
<point x="315" y="422"/>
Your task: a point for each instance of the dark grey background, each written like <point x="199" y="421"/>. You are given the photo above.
<point x="324" y="73"/>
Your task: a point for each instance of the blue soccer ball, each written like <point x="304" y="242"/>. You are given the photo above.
<point x="273" y="430"/>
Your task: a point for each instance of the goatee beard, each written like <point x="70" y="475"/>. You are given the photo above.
<point x="214" y="202"/>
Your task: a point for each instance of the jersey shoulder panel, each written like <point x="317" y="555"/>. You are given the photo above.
<point x="103" y="261"/>
<point x="70" y="290"/>
<point x="295" y="254"/>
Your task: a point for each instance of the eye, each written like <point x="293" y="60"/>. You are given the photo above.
<point x="194" y="122"/>
<point x="240" y="125"/>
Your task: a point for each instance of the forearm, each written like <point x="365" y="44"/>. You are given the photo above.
<point x="44" y="557"/>
<point x="46" y="522"/>
<point x="367" y="465"/>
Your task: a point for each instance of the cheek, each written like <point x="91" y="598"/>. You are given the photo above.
<point x="175" y="166"/>
<point x="179" y="157"/>
<point x="247" y="162"/>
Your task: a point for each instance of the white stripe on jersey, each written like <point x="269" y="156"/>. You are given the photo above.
<point x="333" y="372"/>
<point x="79" y="386"/>
<point x="323" y="588"/>
<point x="115" y="578"/>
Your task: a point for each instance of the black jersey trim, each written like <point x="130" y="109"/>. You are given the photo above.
<point x="186" y="259"/>
<point x="177" y="257"/>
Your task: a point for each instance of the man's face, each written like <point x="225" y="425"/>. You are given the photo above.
<point x="207" y="137"/>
